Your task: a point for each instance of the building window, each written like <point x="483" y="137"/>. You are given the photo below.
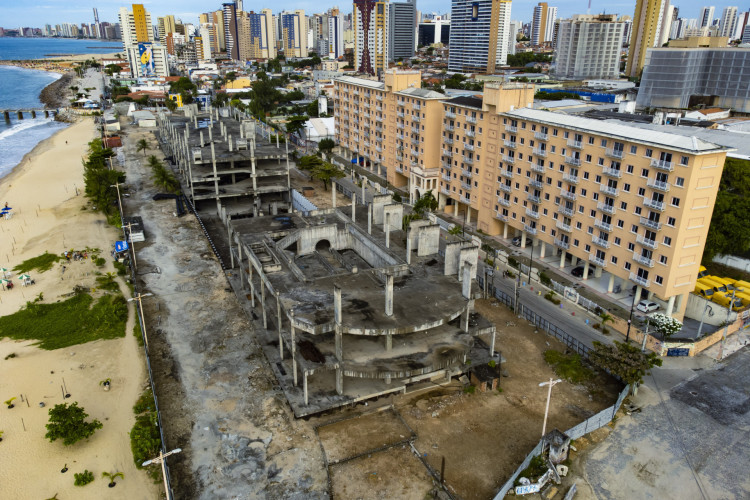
<point x="641" y="191"/>
<point x="579" y="225"/>
<point x="598" y="179"/>
<point x="596" y="196"/>
<point x="620" y="223"/>
<point x="617" y="241"/>
<point x="559" y="184"/>
<point x="644" y="172"/>
<point x="671" y="221"/>
<point x="629" y="169"/>
<point x="659" y="280"/>
<point x="627" y="266"/>
<point x="554" y="134"/>
<point x="623" y="205"/>
<point x="633" y="150"/>
<point x="587" y="248"/>
<point x="601" y="162"/>
<point x="588" y="158"/>
<point x="684" y="160"/>
<point x="552" y="149"/>
<point x="668" y="241"/>
<point x="566" y="134"/>
<point x="675" y="202"/>
<point x="663" y="259"/>
<point x="592" y="214"/>
<point x="649" y="153"/>
<point x="576" y="243"/>
<point x="591" y="140"/>
<point x="634" y="229"/>
<point x="637" y="210"/>
<point x="626" y="187"/>
<point x="604" y="143"/>
<point x="631" y="247"/>
<point x="680" y="182"/>
<point x="590" y="230"/>
<point x="586" y="175"/>
<point x="583" y="193"/>
<point x="614" y="260"/>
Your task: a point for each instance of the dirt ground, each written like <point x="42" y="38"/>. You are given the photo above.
<point x="483" y="436"/>
<point x="320" y="196"/>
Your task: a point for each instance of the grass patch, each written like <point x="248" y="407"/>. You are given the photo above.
<point x="145" y="403"/>
<point x="537" y="467"/>
<point x="137" y="331"/>
<point x="40" y="263"/>
<point x="145" y="440"/>
<point x="77" y="320"/>
<point x="568" y="366"/>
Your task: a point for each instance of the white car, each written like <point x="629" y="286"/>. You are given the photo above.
<point x="647" y="306"/>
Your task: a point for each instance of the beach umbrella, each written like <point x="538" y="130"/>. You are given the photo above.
<point x="24" y="277"/>
<point x="4" y="282"/>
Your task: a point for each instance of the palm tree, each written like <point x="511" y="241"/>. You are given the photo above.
<point x="154" y="162"/>
<point x="112" y="476"/>
<point x="142" y="145"/>
<point x="605" y="319"/>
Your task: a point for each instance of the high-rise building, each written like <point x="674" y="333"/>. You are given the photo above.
<point x="370" y="26"/>
<point x="335" y="34"/>
<point x="648" y="23"/>
<point x="479" y="35"/>
<point x="543" y="24"/>
<point x="146" y="59"/>
<point x="402" y="23"/>
<point x="207" y="41"/>
<point x="433" y="32"/>
<point x="294" y="33"/>
<point x="258" y="40"/>
<point x="728" y="22"/>
<point x="135" y="25"/>
<point x="166" y="25"/>
<point x="707" y="17"/>
<point x="588" y="47"/>
<point x="231" y="31"/>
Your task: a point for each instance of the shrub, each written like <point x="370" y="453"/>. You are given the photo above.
<point x="470" y="389"/>
<point x="569" y="367"/>
<point x="513" y="262"/>
<point x="546" y="281"/>
<point x="551" y="296"/>
<point x="100" y="261"/>
<point x="83" y="478"/>
<point x="145" y="439"/>
<point x="69" y="424"/>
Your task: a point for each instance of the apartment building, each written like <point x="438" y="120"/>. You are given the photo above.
<point x="620" y="200"/>
<point x="370" y="27"/>
<point x="589" y="47"/>
<point x="543" y="24"/>
<point x="294" y="33"/>
<point x="479" y="35"/>
<point x="648" y="23"/>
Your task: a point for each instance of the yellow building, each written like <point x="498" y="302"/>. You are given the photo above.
<point x="694" y="42"/>
<point x="650" y="18"/>
<point x="630" y="202"/>
<point x="369" y="24"/>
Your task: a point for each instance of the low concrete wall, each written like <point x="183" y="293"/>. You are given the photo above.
<point x="428" y="240"/>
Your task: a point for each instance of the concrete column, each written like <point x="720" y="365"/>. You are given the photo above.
<point x="354" y="207"/>
<point x="468" y="215"/>
<point x="670" y="306"/>
<point x="231" y="253"/>
<point x="388" y="342"/>
<point x="339" y="339"/>
<point x="369" y="219"/>
<point x="597" y="272"/>
<point x="492" y="343"/>
<point x="304" y="386"/>
<point x="611" y="284"/>
<point x="293" y="348"/>
<point x="455" y="209"/>
<point x="263" y="301"/>
<point x="586" y="267"/>
<point x="542" y="250"/>
<point x="408" y="246"/>
<point x="523" y="239"/>
<point x="637" y="296"/>
<point x="389" y="294"/>
<point x="505" y="230"/>
<point x="562" y="259"/>
<point x="278" y="320"/>
<point x="333" y="193"/>
<point x="466" y="290"/>
<point x="337" y="304"/>
<point x="387" y="229"/>
<point x="364" y="186"/>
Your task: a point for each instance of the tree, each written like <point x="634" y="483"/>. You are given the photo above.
<point x="326" y="145"/>
<point x="142" y="145"/>
<point x="326" y="172"/>
<point x="665" y="325"/>
<point x="729" y="232"/>
<point x="624" y="360"/>
<point x="68" y="422"/>
<point x="112" y="476"/>
<point x="312" y="109"/>
<point x="426" y="202"/>
<point x="295" y="124"/>
<point x="309" y="162"/>
<point x="606" y="318"/>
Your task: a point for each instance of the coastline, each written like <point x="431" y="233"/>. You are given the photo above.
<point x="41" y="147"/>
<point x="55" y="94"/>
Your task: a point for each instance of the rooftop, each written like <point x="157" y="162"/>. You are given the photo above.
<point x="363" y="82"/>
<point x="661" y="137"/>
<point x="469" y="102"/>
<point x="422" y="93"/>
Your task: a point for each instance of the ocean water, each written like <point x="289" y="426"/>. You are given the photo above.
<point x="20" y="88"/>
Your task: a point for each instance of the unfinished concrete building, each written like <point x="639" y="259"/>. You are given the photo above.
<point x="348" y="306"/>
<point x="227" y="158"/>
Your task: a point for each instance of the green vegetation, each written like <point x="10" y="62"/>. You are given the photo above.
<point x="319" y="169"/>
<point x="537" y="467"/>
<point x="295" y="123"/>
<point x="68" y="422"/>
<point x="459" y="81"/>
<point x="9" y="403"/>
<point x="326" y="145"/>
<point x="100" y="180"/>
<point x="551" y="296"/>
<point x="112" y="476"/>
<point x="729" y="233"/>
<point x="624" y="360"/>
<point x="41" y="263"/>
<point x="606" y="318"/>
<point x="83" y="478"/>
<point x="77" y="320"/>
<point x="568" y="366"/>
<point x="108" y="282"/>
<point x="512" y="262"/>
<point x="555" y="96"/>
<point x="187" y="89"/>
<point x="145" y="440"/>
<point x="524" y="58"/>
<point x="470" y="389"/>
<point x="142" y="145"/>
<point x="545" y="279"/>
<point x="162" y="176"/>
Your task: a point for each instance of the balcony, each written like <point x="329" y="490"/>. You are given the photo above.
<point x="615" y="153"/>
<point x="378" y="149"/>
<point x="651" y="224"/>
<point x="366" y="114"/>
<point x="400" y="126"/>
<point x="540" y="152"/>
<point x="448" y="140"/>
<point x="355" y="92"/>
<point x="541" y="136"/>
<point x="596" y="260"/>
<point x="575" y="144"/>
<point x="529" y="229"/>
<point x="572" y="160"/>
<point x="506" y="188"/>
<point x="415" y="141"/>
<point x="399" y="169"/>
<point x="367" y="144"/>
<point x="467" y="187"/>
<point x="612" y="172"/>
<point x="653" y="204"/>
<point x="508" y="174"/>
<point x="511" y="128"/>
<point x="533" y="198"/>
<point x="414" y="164"/>
<point x="600" y="242"/>
<point x="400" y="157"/>
<point x="378" y="128"/>
<point x="448" y="153"/>
<point x="502" y="217"/>
<point x="445" y="191"/>
<point x="446" y="165"/>
<point x="537" y="184"/>
<point x="639" y="281"/>
<point x="449" y="128"/>
<point x="562" y="244"/>
<point x="379" y="98"/>
<point x="532" y="214"/>
<point x="604" y="226"/>
<point x="446" y="177"/>
<point x="564" y="227"/>
<point x="470" y="133"/>
<point x="416" y="118"/>
<point x="643" y="260"/>
<point x="645" y="242"/>
<point x="468" y="147"/>
<point x="510" y="144"/>
<point x="400" y="136"/>
<point x="667" y="166"/>
<point x="570" y="178"/>
<point x="509" y="159"/>
<point x="449" y="114"/>
<point x="379" y="119"/>
<point x="415" y="130"/>
<point x="609" y="190"/>
<point x="415" y="152"/>
<point x="568" y="195"/>
<point x="400" y="114"/>
<point x="503" y="202"/>
<point x="467" y="160"/>
<point x="416" y="107"/>
<point x="466" y="173"/>
<point x="606" y="208"/>
<point x="659" y="185"/>
<point x="471" y="119"/>
<point x="537" y="168"/>
<point x="566" y="211"/>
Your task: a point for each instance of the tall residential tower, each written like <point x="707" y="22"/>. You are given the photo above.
<point x="648" y="23"/>
<point x="370" y="19"/>
<point x="480" y="30"/>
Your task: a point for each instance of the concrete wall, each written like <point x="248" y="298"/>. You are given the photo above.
<point x="368" y="249"/>
<point x="468" y="254"/>
<point x="378" y="204"/>
<point x="715" y="315"/>
<point x="451" y="257"/>
<point x="429" y="240"/>
<point x="414" y="231"/>
<point x="395" y="211"/>
<point x="309" y="237"/>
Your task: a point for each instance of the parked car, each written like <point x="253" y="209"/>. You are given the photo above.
<point x="578" y="271"/>
<point x="647" y="306"/>
<point x="516" y="241"/>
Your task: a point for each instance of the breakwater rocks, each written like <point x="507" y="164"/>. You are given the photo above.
<point x="55" y="94"/>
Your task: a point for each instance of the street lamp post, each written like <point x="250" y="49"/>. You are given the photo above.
<point x="116" y="185"/>
<point x="550" y="384"/>
<point x="138" y="298"/>
<point x="161" y="459"/>
<point x="531" y="262"/>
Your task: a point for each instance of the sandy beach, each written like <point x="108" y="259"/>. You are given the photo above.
<point x="46" y="193"/>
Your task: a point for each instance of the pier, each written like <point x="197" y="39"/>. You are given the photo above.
<point x="19" y="113"/>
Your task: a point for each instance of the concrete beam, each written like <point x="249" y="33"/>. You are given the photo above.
<point x="389" y="295"/>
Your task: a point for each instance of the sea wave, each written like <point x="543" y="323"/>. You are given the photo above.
<point x="20" y="126"/>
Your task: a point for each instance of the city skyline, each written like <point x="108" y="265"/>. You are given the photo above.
<point x="56" y="11"/>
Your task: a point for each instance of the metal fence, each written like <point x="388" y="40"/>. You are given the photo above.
<point x="572" y="295"/>
<point x="591" y="424"/>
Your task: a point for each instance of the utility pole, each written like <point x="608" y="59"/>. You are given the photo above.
<point x="128" y="237"/>
<point x="726" y="326"/>
<point x="138" y="298"/>
<point x="161" y="459"/>
<point x="550" y="384"/>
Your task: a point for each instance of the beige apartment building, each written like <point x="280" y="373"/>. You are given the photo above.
<point x="632" y="202"/>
